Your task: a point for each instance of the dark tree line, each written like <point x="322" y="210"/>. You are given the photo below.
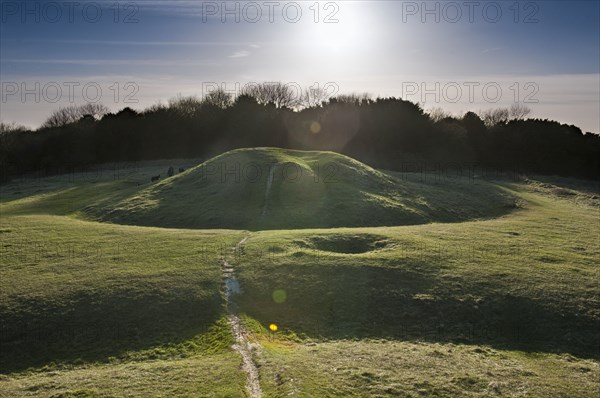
<point x="385" y="133"/>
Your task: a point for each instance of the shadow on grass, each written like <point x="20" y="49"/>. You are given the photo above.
<point x="347" y="302"/>
<point x="93" y="328"/>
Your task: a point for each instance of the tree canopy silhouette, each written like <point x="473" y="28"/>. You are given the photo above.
<point x="387" y="133"/>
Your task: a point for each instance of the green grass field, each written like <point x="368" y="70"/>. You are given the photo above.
<point x="111" y="286"/>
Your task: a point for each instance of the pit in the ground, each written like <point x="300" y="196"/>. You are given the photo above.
<point x="349" y="244"/>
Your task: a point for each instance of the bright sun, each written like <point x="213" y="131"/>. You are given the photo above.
<point x="339" y="28"/>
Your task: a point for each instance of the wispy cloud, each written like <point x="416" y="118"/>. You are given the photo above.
<point x="135" y="42"/>
<point x="244" y="53"/>
<point x="117" y="62"/>
<point x="240" y="54"/>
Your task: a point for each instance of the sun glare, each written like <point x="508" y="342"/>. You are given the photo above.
<point x="335" y="29"/>
<point x="339" y="29"/>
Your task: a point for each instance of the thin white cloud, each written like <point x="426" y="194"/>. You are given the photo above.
<point x="240" y="54"/>
<point x="139" y="43"/>
<point x="114" y="62"/>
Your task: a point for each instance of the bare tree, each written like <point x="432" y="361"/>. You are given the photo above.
<point x="6" y="127"/>
<point x="312" y="97"/>
<point x="62" y="116"/>
<point x="219" y="98"/>
<point x="73" y="113"/>
<point x="284" y="95"/>
<point x="518" y="111"/>
<point x="157" y="107"/>
<point x="438" y="114"/>
<point x="255" y="91"/>
<point x="94" y="110"/>
<point x="185" y="106"/>
<point x="278" y="94"/>
<point x="492" y="117"/>
<point x="353" y="98"/>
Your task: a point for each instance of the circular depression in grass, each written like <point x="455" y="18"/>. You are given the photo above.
<point x="354" y="244"/>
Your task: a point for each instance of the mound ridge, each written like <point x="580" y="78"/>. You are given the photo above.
<point x="271" y="188"/>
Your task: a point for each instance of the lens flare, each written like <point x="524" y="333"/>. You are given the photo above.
<point x="315" y="127"/>
<point x="279" y="296"/>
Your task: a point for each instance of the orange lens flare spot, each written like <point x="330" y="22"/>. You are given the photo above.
<point x="315" y="127"/>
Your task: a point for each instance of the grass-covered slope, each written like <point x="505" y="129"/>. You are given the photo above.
<point x="528" y="281"/>
<point x="73" y="291"/>
<point x="498" y="307"/>
<point x="283" y="189"/>
<point x="387" y="368"/>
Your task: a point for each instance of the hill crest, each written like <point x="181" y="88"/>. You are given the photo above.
<point x="272" y="188"/>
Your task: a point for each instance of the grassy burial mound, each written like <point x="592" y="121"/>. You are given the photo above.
<point x="269" y="188"/>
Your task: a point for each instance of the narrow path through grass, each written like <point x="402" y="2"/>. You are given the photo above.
<point x="242" y="345"/>
<point x="265" y="209"/>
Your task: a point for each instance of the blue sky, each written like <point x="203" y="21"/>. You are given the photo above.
<point x="544" y="52"/>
